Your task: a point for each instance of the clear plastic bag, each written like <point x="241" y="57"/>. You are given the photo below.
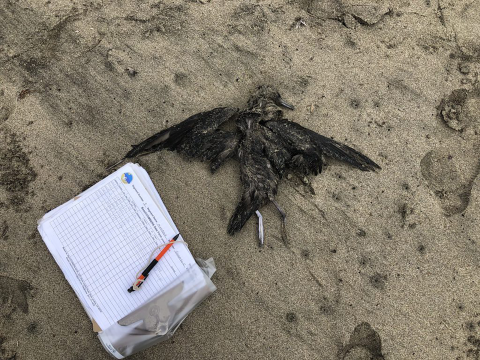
<point x="158" y="319"/>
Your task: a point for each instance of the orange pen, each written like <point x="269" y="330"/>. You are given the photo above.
<point x="136" y="285"/>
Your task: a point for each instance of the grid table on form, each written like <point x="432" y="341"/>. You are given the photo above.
<point x="107" y="238"/>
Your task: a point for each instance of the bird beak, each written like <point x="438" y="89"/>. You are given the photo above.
<point x="283" y="103"/>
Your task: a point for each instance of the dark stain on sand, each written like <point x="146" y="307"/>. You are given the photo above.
<point x="378" y="281"/>
<point x="166" y="19"/>
<point x="180" y="79"/>
<point x="5" y="354"/>
<point x="7" y="106"/>
<point x="33" y="328"/>
<point x="305" y="253"/>
<point x="471" y="346"/>
<point x="474" y="347"/>
<point x="421" y="249"/>
<point x="4" y="231"/>
<point x="327" y="307"/>
<point x="291" y="317"/>
<point x="254" y="20"/>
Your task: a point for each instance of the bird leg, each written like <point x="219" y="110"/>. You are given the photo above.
<point x="260" y="228"/>
<point x="284" y="216"/>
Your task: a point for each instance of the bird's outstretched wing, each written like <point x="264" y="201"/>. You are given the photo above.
<point x="306" y="148"/>
<point x="198" y="136"/>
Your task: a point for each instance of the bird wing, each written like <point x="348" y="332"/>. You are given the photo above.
<point x="306" y="148"/>
<point x="198" y="136"/>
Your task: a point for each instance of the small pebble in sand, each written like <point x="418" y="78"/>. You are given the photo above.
<point x="298" y="23"/>
<point x="131" y="72"/>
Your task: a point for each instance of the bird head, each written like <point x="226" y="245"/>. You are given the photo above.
<point x="267" y="99"/>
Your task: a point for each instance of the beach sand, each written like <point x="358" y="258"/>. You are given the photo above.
<point x="379" y="265"/>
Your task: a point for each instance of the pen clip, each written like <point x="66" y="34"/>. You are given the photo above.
<point x="140" y="279"/>
<point x="138" y="283"/>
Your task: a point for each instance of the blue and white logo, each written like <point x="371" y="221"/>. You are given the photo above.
<point x="127" y="178"/>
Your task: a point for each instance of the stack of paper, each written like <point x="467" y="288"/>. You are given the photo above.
<point x="103" y="237"/>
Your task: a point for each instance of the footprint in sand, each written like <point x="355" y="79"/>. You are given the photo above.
<point x="450" y="174"/>
<point x="364" y="344"/>
<point x="451" y="170"/>
<point x="16" y="172"/>
<point x="14" y="295"/>
<point x="461" y="111"/>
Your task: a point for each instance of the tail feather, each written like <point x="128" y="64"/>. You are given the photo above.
<point x="245" y="209"/>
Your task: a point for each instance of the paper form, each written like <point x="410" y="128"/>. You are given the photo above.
<point x="102" y="239"/>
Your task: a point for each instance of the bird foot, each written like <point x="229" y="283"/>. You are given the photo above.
<point x="260" y="228"/>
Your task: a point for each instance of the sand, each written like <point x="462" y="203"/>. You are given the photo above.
<point x="378" y="265"/>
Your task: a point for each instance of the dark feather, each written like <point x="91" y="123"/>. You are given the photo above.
<point x="188" y="136"/>
<point x="311" y="146"/>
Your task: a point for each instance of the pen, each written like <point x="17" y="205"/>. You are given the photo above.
<point x="136" y="285"/>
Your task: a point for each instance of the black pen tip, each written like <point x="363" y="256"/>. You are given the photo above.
<point x="176" y="237"/>
<point x="131" y="289"/>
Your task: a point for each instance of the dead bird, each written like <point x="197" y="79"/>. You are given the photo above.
<point x="265" y="144"/>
